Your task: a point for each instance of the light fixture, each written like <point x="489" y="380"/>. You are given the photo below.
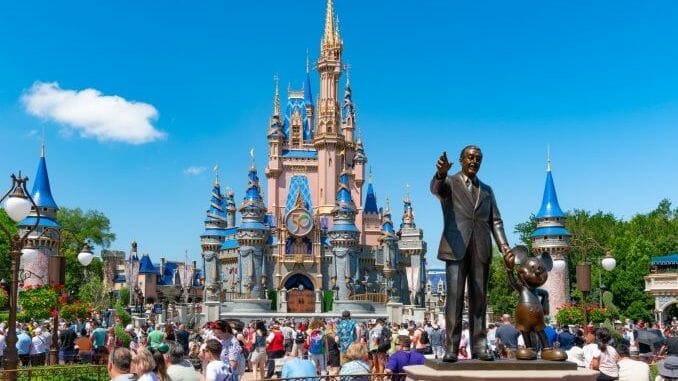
<point x="608" y="262"/>
<point x="85" y="257"/>
<point x="17" y="205"/>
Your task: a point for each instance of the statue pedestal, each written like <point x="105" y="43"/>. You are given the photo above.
<point x="501" y="370"/>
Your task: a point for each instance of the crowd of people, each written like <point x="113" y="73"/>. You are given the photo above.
<point x="340" y="348"/>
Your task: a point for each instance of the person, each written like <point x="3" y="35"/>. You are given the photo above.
<point x="23" y="346"/>
<point x="182" y="336"/>
<point x="98" y="338"/>
<point x="356" y="366"/>
<point x="84" y="345"/>
<point x="169" y="333"/>
<point x="231" y="351"/>
<point x="179" y="369"/>
<point x="288" y="334"/>
<point x="420" y="340"/>
<point x="508" y="335"/>
<point x="668" y="368"/>
<point x="437" y="341"/>
<point x="316" y="345"/>
<point x="143" y="365"/>
<point x="157" y="336"/>
<point x="470" y="216"/>
<point x="605" y="357"/>
<point x="160" y="369"/>
<point x="347" y="333"/>
<point x="39" y="348"/>
<point x="589" y="349"/>
<point x="3" y="345"/>
<point x="629" y="369"/>
<point x="566" y="338"/>
<point x="216" y="370"/>
<point x="275" y="348"/>
<point x="332" y="349"/>
<point x="402" y="358"/>
<point x="67" y="343"/>
<point x="119" y="362"/>
<point x="297" y="367"/>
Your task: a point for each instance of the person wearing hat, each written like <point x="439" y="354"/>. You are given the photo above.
<point x="668" y="369"/>
<point x="402" y="358"/>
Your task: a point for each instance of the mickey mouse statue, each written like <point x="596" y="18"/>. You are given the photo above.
<point x="533" y="302"/>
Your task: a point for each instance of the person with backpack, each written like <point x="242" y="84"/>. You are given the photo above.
<point x="421" y="341"/>
<point x="316" y="346"/>
<point x="299" y="342"/>
<point x="379" y="344"/>
<point x="347" y="334"/>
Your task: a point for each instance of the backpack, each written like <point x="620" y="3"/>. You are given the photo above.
<point x="300" y="338"/>
<point x="384" y="339"/>
<point x="317" y="346"/>
<point x="424" y="337"/>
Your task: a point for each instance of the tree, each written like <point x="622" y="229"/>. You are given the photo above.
<point x="502" y="297"/>
<point x="5" y="258"/>
<point x="94" y="293"/>
<point x="77" y="227"/>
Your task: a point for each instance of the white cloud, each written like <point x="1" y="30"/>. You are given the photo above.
<point x="93" y="114"/>
<point x="194" y="170"/>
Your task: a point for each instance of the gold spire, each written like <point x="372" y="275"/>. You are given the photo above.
<point x="276" y="97"/>
<point x="331" y="35"/>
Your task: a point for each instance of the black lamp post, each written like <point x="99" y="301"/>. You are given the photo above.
<point x="18" y="205"/>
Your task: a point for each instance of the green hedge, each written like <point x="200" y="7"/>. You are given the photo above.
<point x="61" y="373"/>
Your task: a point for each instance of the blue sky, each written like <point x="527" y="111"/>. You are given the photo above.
<point x="597" y="81"/>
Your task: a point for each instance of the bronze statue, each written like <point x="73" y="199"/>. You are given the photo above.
<point x="533" y="303"/>
<point x="470" y="216"/>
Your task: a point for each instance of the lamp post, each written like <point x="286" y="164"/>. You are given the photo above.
<point x="583" y="269"/>
<point x="18" y="204"/>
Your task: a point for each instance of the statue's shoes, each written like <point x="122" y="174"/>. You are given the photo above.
<point x="450" y="357"/>
<point x="526" y="354"/>
<point x="553" y="354"/>
<point x="483" y="356"/>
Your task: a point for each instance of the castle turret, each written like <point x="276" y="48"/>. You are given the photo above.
<point x="147" y="279"/>
<point x="252" y="235"/>
<point x="213" y="237"/>
<point x="551" y="236"/>
<point x="371" y="220"/>
<point x="344" y="237"/>
<point x="412" y="248"/>
<point x="329" y="142"/>
<point x="348" y="111"/>
<point x="388" y="247"/>
<point x="46" y="237"/>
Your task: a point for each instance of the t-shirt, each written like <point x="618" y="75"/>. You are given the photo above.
<point x="608" y="361"/>
<point x="99" y="337"/>
<point x="67" y="338"/>
<point x="183" y="371"/>
<point x="40" y="345"/>
<point x="83" y="343"/>
<point x="156" y="338"/>
<point x="298" y="368"/>
<point x="353" y="368"/>
<point x="182" y="338"/>
<point x="347" y="334"/>
<point x="566" y="340"/>
<point x="216" y="370"/>
<point x="632" y="370"/>
<point x="401" y="359"/>
<point x="316" y="343"/>
<point x="23" y="344"/>
<point x="508" y="335"/>
<point x="375" y="335"/>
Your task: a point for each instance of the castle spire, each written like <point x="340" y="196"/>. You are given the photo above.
<point x="276" y="97"/>
<point x="549" y="204"/>
<point x="331" y="35"/>
<point x="42" y="192"/>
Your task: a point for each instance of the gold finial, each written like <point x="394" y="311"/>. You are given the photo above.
<point x="336" y="29"/>
<point x="328" y="36"/>
<point x="548" y="158"/>
<point x="216" y="174"/>
<point x="276" y="97"/>
<point x="308" y="63"/>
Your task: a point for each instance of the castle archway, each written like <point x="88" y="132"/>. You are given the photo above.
<point x="300" y="294"/>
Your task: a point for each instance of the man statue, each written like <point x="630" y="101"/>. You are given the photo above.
<point x="470" y="214"/>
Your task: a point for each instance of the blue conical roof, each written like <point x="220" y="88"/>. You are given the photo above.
<point x="308" y="96"/>
<point x="253" y="191"/>
<point x="371" y="200"/>
<point x="344" y="193"/>
<point x="217" y="210"/>
<point x="146" y="266"/>
<point x="549" y="203"/>
<point x="42" y="193"/>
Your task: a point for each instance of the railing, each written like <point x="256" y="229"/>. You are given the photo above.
<point x="374" y="297"/>
<point x="229" y="296"/>
<point x="58" y="373"/>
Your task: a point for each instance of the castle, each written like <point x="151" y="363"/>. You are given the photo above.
<point x="321" y="240"/>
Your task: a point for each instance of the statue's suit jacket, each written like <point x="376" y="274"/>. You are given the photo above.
<point x="464" y="216"/>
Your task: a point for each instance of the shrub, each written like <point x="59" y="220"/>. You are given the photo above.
<point x="39" y="302"/>
<point x="570" y="314"/>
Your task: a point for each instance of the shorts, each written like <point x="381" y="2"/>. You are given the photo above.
<point x="259" y="357"/>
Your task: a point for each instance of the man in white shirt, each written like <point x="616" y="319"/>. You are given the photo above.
<point x="179" y="369"/>
<point x="629" y="369"/>
<point x="38" y="348"/>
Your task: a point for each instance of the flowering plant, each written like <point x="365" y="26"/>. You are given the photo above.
<point x="38" y="302"/>
<point x="4" y="299"/>
<point x="570" y="314"/>
<point x="76" y="309"/>
<point x="598" y="314"/>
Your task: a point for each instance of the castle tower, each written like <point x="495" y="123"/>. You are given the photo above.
<point x="412" y="249"/>
<point x="389" y="249"/>
<point x="344" y="237"/>
<point x="216" y="222"/>
<point x="551" y="236"/>
<point x="329" y="141"/>
<point x="252" y="235"/>
<point x="46" y="238"/>
<point x="148" y="279"/>
<point x="371" y="220"/>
